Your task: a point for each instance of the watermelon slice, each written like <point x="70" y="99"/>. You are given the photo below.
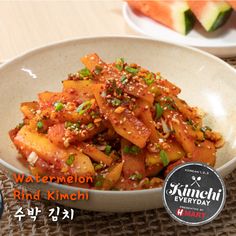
<point x="232" y="3"/>
<point x="211" y="13"/>
<point x="173" y="13"/>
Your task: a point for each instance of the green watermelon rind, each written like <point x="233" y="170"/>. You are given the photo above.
<point x="221" y="19"/>
<point x="183" y="19"/>
<point x="189" y="21"/>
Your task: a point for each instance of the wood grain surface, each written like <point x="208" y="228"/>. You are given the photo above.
<point x="29" y="24"/>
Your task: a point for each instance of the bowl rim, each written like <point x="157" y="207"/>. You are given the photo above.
<point x="107" y="37"/>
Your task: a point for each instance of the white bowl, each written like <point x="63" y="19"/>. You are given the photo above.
<point x="206" y="82"/>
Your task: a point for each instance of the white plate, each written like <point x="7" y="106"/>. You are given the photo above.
<point x="206" y="82"/>
<point x="220" y="43"/>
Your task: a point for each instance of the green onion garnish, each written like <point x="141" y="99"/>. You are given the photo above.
<point x="98" y="167"/>
<point x="90" y="125"/>
<point x="72" y="126"/>
<point x="131" y="150"/>
<point x="85" y="72"/>
<point x="108" y="149"/>
<point x="58" y="106"/>
<point x="39" y="124"/>
<point x="136" y="176"/>
<point x="68" y="124"/>
<point x="123" y="79"/>
<point x="94" y="114"/>
<point x="119" y="63"/>
<point x="149" y="79"/>
<point x="119" y="91"/>
<point x="168" y="99"/>
<point x="70" y="159"/>
<point x="170" y="107"/>
<point x="126" y="149"/>
<point x="115" y="102"/>
<point x="205" y="128"/>
<point x="82" y="108"/>
<point x="98" y="183"/>
<point x="164" y="158"/>
<point x="159" y="110"/>
<point x="131" y="70"/>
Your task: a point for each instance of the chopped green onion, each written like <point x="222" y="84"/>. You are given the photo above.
<point x="136" y="176"/>
<point x="98" y="183"/>
<point x="94" y="114"/>
<point x="119" y="67"/>
<point x="205" y="128"/>
<point x="170" y="107"/>
<point x="149" y="79"/>
<point x="98" y="167"/>
<point x="126" y="149"/>
<point x="39" y="124"/>
<point x="108" y="149"/>
<point x="131" y="70"/>
<point x="85" y="72"/>
<point x="68" y="124"/>
<point x="120" y="60"/>
<point x="131" y="150"/>
<point x="58" y="106"/>
<point x="119" y="63"/>
<point x="99" y="180"/>
<point x="115" y="102"/>
<point x="164" y="158"/>
<point x="170" y="104"/>
<point x="90" y="125"/>
<point x="159" y="110"/>
<point x="168" y="99"/>
<point x="119" y="91"/>
<point x="70" y="159"/>
<point x="72" y="126"/>
<point x="134" y="149"/>
<point x="194" y="126"/>
<point x="82" y="108"/>
<point x="123" y="79"/>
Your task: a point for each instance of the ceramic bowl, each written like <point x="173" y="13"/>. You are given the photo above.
<point x="206" y="82"/>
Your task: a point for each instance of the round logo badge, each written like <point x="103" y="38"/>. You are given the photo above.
<point x="194" y="193"/>
<point x="1" y="204"/>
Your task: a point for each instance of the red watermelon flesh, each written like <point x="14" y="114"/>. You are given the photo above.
<point x="211" y="13"/>
<point x="174" y="14"/>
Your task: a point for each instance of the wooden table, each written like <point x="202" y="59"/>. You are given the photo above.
<point x="29" y="24"/>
